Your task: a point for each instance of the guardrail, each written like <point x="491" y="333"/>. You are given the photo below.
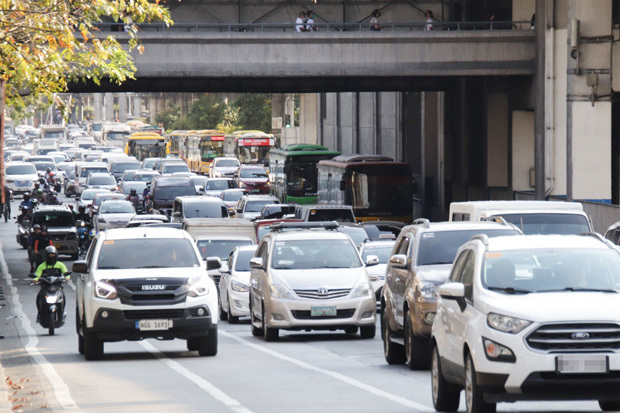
<point x="329" y="27"/>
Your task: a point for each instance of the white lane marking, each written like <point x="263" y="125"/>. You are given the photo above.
<point x="216" y="393"/>
<point x="61" y="390"/>
<point x="337" y="376"/>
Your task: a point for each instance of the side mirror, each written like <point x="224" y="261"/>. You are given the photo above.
<point x="239" y="210"/>
<point x="454" y="291"/>
<point x="372" y="260"/>
<point x="398" y="261"/>
<point x="213" y="263"/>
<point x="176" y="213"/>
<point x="256" y="262"/>
<point x="79" y="267"/>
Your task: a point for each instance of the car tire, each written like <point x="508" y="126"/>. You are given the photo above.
<point x="368" y="331"/>
<point x="609" y="405"/>
<point x="351" y="330"/>
<point x="256" y="332"/>
<point x="417" y="349"/>
<point x="231" y="318"/>
<point x="208" y="345"/>
<point x="78" y="326"/>
<point x="223" y="314"/>
<point x="93" y="347"/>
<point x="394" y="353"/>
<point x="473" y="395"/>
<point x="193" y="343"/>
<point x="446" y="396"/>
<point x="269" y="334"/>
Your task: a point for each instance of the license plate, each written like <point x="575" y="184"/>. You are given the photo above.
<point x="57" y="245"/>
<point x="323" y="311"/>
<point x="582" y="363"/>
<point x="150" y="325"/>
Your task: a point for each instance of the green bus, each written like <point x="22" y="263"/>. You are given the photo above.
<point x="293" y="174"/>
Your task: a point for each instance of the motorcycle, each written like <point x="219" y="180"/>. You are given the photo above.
<point x="83" y="231"/>
<point x="51" y="299"/>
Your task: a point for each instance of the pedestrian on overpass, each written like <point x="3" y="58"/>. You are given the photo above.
<point x="310" y="27"/>
<point x="300" y="23"/>
<point x="429" y="21"/>
<point x="374" y="21"/>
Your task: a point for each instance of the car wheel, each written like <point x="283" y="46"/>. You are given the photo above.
<point x="269" y="334"/>
<point x="223" y="314"/>
<point x="609" y="405"/>
<point x="368" y="331"/>
<point x="208" y="345"/>
<point x="256" y="332"/>
<point x="417" y="349"/>
<point x="93" y="347"/>
<point x="231" y="318"/>
<point x="446" y="396"/>
<point x="193" y="343"/>
<point x="351" y="330"/>
<point x="78" y="329"/>
<point x="473" y="395"/>
<point x="394" y="353"/>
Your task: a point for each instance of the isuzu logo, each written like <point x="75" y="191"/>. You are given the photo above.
<point x="580" y="336"/>
<point x="153" y="287"/>
<point x="322" y="291"/>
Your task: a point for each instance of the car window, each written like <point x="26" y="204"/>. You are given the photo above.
<point x="256" y="206"/>
<point x="226" y="163"/>
<point x="54" y="219"/>
<point x="381" y="251"/>
<point x="243" y="260"/>
<point x="116" y="208"/>
<point x="403" y="246"/>
<point x="467" y="274"/>
<point x="147" y="253"/>
<point x="21" y="170"/>
<point x="253" y="173"/>
<point x="205" y="210"/>
<point x="455" y="274"/>
<point x="314" y="254"/>
<point x="219" y="248"/>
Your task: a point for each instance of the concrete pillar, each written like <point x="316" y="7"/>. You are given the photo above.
<point x="122" y="107"/>
<point x="109" y="106"/>
<point x="152" y="107"/>
<point x="308" y="122"/>
<point x="98" y="106"/>
<point x="137" y="105"/>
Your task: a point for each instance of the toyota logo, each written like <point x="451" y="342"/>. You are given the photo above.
<point x="580" y="336"/>
<point x="322" y="291"/>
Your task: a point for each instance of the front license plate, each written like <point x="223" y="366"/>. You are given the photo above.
<point x="57" y="245"/>
<point x="323" y="311"/>
<point x="150" y="325"/>
<point x="582" y="363"/>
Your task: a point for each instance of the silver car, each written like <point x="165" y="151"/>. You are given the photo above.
<point x="235" y="284"/>
<point x="310" y="276"/>
<point x="114" y="214"/>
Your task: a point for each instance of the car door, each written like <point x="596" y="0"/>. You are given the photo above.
<point x="257" y="278"/>
<point x="83" y="280"/>
<point x="398" y="277"/>
<point x="225" y="278"/>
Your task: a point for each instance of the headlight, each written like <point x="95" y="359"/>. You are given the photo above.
<point x="242" y="185"/>
<point x="362" y="290"/>
<point x="9" y="181"/>
<point x="198" y="286"/>
<point x="105" y="290"/>
<point x="239" y="286"/>
<point x="506" y="324"/>
<point x="101" y="221"/>
<point x="280" y="291"/>
<point x="428" y="290"/>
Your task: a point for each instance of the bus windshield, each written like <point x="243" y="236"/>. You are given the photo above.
<point x="302" y="179"/>
<point x="548" y="223"/>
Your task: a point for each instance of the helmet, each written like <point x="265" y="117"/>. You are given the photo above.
<point x="133" y="191"/>
<point x="26" y="197"/>
<point x="43" y="228"/>
<point x="36" y="226"/>
<point x="82" y="209"/>
<point x="48" y="170"/>
<point x="51" y="255"/>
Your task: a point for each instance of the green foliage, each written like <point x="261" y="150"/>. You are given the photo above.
<point x="254" y="111"/>
<point x="168" y="117"/>
<point x="205" y="113"/>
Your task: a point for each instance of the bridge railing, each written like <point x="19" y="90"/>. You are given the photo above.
<point x="329" y="27"/>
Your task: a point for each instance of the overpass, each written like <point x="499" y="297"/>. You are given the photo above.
<point x="188" y="59"/>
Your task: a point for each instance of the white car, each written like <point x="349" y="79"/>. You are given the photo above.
<point x="223" y="166"/>
<point x="235" y="284"/>
<point x="101" y="180"/>
<point x="20" y="176"/>
<point x="114" y="213"/>
<point x="382" y="250"/>
<point x="142" y="283"/>
<point x="528" y="318"/>
<point x="87" y="197"/>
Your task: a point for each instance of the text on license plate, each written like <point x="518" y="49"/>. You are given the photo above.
<point x="323" y="311"/>
<point x="149" y="325"/>
<point x="582" y="363"/>
<point x="57" y="245"/>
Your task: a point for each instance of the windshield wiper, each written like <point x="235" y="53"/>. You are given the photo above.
<point x="510" y="290"/>
<point x="578" y="289"/>
<point x="108" y="267"/>
<point x="153" y="266"/>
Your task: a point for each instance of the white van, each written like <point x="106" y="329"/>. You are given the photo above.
<point x="82" y="169"/>
<point x="531" y="217"/>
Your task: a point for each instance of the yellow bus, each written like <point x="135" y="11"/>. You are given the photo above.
<point x="146" y="145"/>
<point x="173" y="141"/>
<point x="201" y="147"/>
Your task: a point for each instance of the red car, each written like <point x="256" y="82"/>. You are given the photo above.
<point x="252" y="178"/>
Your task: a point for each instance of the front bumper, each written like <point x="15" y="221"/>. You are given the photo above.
<point x="122" y="324"/>
<point x="20" y="187"/>
<point x="239" y="303"/>
<point x="290" y="314"/>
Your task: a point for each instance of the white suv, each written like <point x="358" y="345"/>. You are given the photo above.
<point x="529" y="318"/>
<point x="139" y="283"/>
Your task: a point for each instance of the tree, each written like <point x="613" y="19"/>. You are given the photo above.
<point x="254" y="111"/>
<point x="168" y="117"/>
<point x="47" y="44"/>
<point x="206" y="113"/>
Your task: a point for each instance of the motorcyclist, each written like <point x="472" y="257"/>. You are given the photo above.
<point x="51" y="261"/>
<point x="37" y="186"/>
<point x="133" y="197"/>
<point x="24" y="208"/>
<point x="39" y="239"/>
<point x="82" y="215"/>
<point x="145" y="195"/>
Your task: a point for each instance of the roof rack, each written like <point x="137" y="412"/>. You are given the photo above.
<point x="422" y="221"/>
<point x="279" y="226"/>
<point x="482" y="237"/>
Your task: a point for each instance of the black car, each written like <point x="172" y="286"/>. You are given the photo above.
<point x="164" y="189"/>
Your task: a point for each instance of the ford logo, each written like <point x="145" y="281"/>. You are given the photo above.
<point x="322" y="291"/>
<point x="153" y="287"/>
<point x="580" y="336"/>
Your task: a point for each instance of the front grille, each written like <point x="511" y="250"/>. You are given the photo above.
<point x="146" y="291"/>
<point x="151" y="314"/>
<point x="58" y="237"/>
<point x="305" y="314"/>
<point x="575" y="337"/>
<point x="323" y="295"/>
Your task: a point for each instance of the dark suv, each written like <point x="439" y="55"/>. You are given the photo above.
<point x="60" y="225"/>
<point x="164" y="189"/>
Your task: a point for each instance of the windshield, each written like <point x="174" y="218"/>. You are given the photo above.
<point x="381" y="251"/>
<point x="253" y="173"/>
<point x="357" y="234"/>
<point x="176" y="168"/>
<point x="226" y="163"/>
<point x="143" y="178"/>
<point x="98" y="200"/>
<point x="54" y="220"/>
<point x="149" y="163"/>
<point x="90" y="195"/>
<point x="101" y="180"/>
<point x="117" y="136"/>
<point x="552" y="269"/>
<point x="338" y="215"/>
<point x="48" y="134"/>
<point x="129" y="185"/>
<point x="42" y="166"/>
<point x="86" y="171"/>
<point x="220" y="185"/>
<point x="86" y="145"/>
<point x="243" y="260"/>
<point x="67" y="167"/>
<point x="198" y="180"/>
<point x="219" y="247"/>
<point x="124" y="166"/>
<point x="171" y="192"/>
<point x="147" y="253"/>
<point x="550" y="223"/>
<point x="257" y="206"/>
<point x="21" y="170"/>
<point x="309" y="254"/>
<point x="116" y="208"/>
<point x="205" y="210"/>
<point x="441" y="247"/>
<point x="232" y="195"/>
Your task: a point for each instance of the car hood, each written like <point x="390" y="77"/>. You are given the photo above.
<point x="254" y="181"/>
<point x="378" y="269"/>
<point x="229" y="170"/>
<point x="555" y="306"/>
<point x="434" y="273"/>
<point x="117" y="217"/>
<point x="61" y="230"/>
<point x="241" y="276"/>
<point x="213" y="192"/>
<point x="185" y="272"/>
<point x="319" y="277"/>
<point x="27" y="177"/>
